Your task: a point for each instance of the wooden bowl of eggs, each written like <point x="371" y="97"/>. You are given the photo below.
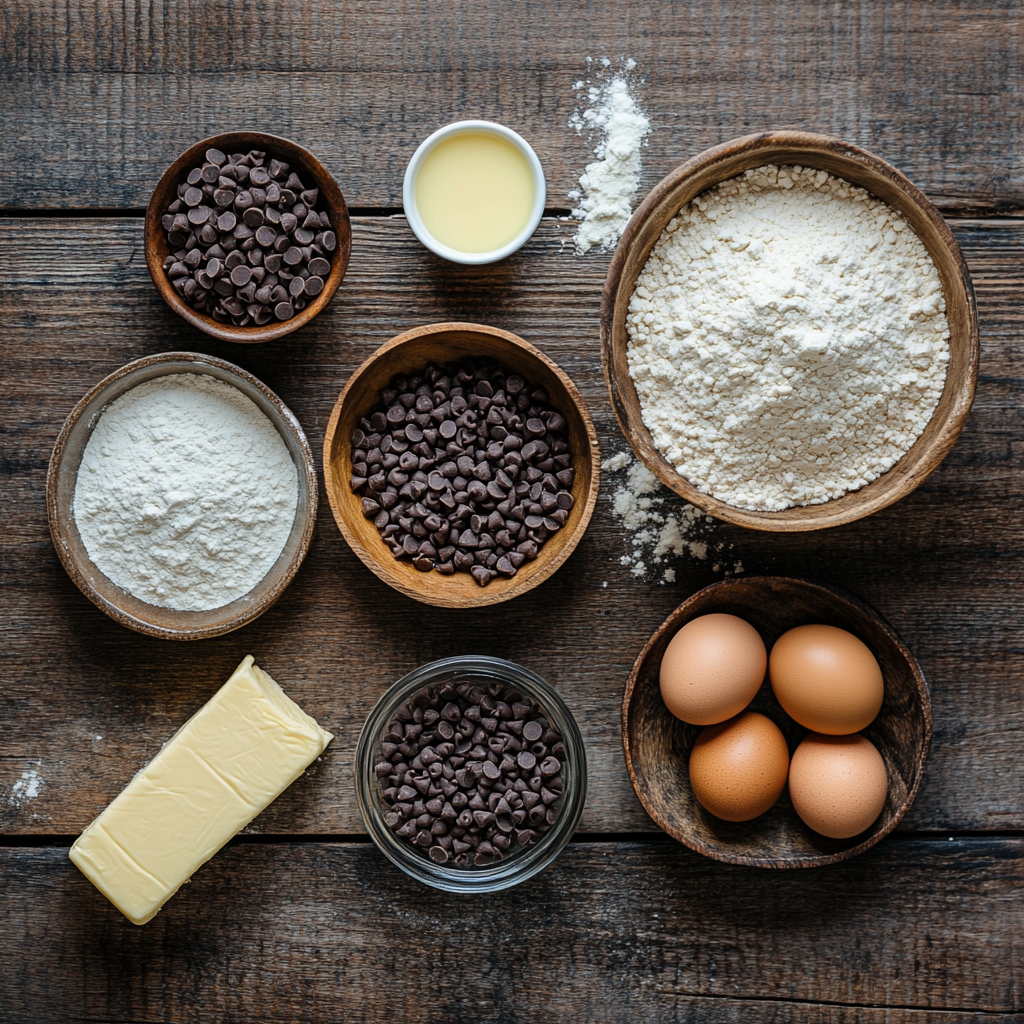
<point x="807" y="724"/>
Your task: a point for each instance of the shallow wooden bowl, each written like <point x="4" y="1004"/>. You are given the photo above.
<point x="657" y="745"/>
<point x="312" y="173"/>
<point x="62" y="477"/>
<point x="441" y="343"/>
<point x="715" y="165"/>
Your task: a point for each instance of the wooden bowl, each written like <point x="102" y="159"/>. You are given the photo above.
<point x="657" y="744"/>
<point x="886" y="183"/>
<point x="62" y="477"/>
<point x="308" y="168"/>
<point x="442" y="343"/>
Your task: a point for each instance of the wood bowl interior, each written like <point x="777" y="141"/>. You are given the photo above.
<point x="884" y="182"/>
<point x="657" y="745"/>
<point x="412" y="351"/>
<point x="62" y="477"/>
<point x="312" y="172"/>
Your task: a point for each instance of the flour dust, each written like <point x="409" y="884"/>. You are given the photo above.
<point x="26" y="788"/>
<point x="660" y="530"/>
<point x="608" y="112"/>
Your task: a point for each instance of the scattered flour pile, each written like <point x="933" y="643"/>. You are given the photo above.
<point x="608" y="185"/>
<point x="657" y="535"/>
<point x="788" y="339"/>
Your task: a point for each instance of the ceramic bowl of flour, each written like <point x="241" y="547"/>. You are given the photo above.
<point x="181" y="496"/>
<point x="777" y="378"/>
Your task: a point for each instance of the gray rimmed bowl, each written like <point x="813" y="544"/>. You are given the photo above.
<point x="62" y="478"/>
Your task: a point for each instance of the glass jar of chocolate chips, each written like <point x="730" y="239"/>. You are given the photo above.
<point x="471" y="774"/>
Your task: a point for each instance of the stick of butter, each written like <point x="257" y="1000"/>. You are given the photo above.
<point x="231" y="759"/>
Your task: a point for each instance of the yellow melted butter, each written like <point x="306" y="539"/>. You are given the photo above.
<point x="475" y="192"/>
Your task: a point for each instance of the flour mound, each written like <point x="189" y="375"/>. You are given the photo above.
<point x="608" y="185"/>
<point x="186" y="493"/>
<point x="788" y="339"/>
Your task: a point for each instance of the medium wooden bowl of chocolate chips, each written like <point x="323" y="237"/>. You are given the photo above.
<point x="247" y="236"/>
<point x="461" y="465"/>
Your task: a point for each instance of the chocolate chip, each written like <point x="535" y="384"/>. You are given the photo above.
<point x="440" y="801"/>
<point x="489" y="510"/>
<point x="222" y="208"/>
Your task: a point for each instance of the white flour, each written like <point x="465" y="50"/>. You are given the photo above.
<point x="657" y="535"/>
<point x="788" y="339"/>
<point x="186" y="493"/>
<point x="26" y="788"/>
<point x="608" y="185"/>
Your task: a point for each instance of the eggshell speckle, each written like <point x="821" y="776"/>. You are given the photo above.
<point x="838" y="784"/>
<point x="826" y="679"/>
<point x="712" y="669"/>
<point x="738" y="768"/>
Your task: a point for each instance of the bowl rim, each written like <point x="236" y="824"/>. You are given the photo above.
<point x="483" y="596"/>
<point x="154" y="238"/>
<point x="790" y="147"/>
<point x="521" y="865"/>
<point x="411" y="206"/>
<point x="675" y="620"/>
<point x="177" y="362"/>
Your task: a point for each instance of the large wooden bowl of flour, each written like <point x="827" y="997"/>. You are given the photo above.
<point x="120" y="604"/>
<point x="884" y="183"/>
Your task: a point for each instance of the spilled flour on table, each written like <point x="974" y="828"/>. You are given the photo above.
<point x="657" y="535"/>
<point x="26" y="788"/>
<point x="603" y="202"/>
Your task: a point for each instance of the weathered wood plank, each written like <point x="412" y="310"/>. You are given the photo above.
<point x="613" y="932"/>
<point x="86" y="702"/>
<point x="101" y="96"/>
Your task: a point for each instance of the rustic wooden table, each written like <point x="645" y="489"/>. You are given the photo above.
<point x="301" y="918"/>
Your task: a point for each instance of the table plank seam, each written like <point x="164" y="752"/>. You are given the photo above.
<point x="48" y="840"/>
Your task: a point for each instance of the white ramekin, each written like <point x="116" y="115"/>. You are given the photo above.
<point x="409" y="192"/>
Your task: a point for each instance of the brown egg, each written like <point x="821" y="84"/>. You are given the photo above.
<point x="826" y="679"/>
<point x="712" y="669"/>
<point x="838" y="784"/>
<point x="738" y="768"/>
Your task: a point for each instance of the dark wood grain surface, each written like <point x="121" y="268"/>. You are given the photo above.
<point x="303" y="919"/>
<point x="102" y="95"/>
<point x="614" y="932"/>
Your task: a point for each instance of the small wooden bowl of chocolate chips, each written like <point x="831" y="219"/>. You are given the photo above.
<point x="461" y="465"/>
<point x="247" y="236"/>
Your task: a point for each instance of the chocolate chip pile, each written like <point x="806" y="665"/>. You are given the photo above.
<point x="247" y="243"/>
<point x="464" y="468"/>
<point x="471" y="773"/>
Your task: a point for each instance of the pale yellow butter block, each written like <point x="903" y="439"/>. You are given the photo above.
<point x="231" y="759"/>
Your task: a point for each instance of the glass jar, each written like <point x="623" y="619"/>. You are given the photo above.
<point x="522" y="862"/>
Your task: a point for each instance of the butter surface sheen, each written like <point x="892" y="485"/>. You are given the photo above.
<point x="231" y="759"/>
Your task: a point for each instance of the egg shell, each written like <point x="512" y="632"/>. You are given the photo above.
<point x="838" y="784"/>
<point x="738" y="768"/>
<point x="712" y="669"/>
<point x="826" y="679"/>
